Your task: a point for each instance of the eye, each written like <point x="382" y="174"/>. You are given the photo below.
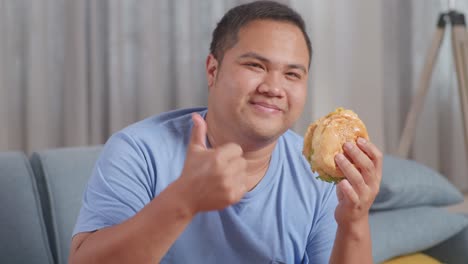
<point x="294" y="75"/>
<point x="254" y="65"/>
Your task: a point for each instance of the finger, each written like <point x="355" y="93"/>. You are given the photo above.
<point x="198" y="137"/>
<point x="373" y="153"/>
<point x="230" y="151"/>
<point x="349" y="194"/>
<point x="339" y="194"/>
<point x="361" y="161"/>
<point x="371" y="150"/>
<point x="236" y="173"/>
<point x="351" y="173"/>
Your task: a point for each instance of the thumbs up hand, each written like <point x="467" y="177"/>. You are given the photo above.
<point x="216" y="177"/>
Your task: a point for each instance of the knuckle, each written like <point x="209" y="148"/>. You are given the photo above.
<point x="235" y="147"/>
<point x="218" y="152"/>
<point x="230" y="145"/>
<point x="225" y="147"/>
<point x="378" y="154"/>
<point x="218" y="159"/>
<point x="368" y="168"/>
<point x="349" y="148"/>
<point x="360" y="182"/>
<point x="239" y="149"/>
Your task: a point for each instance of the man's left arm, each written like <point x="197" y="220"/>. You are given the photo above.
<point x="356" y="194"/>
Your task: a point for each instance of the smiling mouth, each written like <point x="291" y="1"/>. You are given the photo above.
<point x="266" y="107"/>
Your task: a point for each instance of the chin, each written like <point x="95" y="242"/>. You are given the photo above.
<point x="266" y="132"/>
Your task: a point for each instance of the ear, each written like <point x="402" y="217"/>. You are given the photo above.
<point x="211" y="70"/>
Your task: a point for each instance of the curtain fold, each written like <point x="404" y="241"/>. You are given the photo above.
<point x="3" y="73"/>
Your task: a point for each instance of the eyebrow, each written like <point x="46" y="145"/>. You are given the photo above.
<point x="265" y="60"/>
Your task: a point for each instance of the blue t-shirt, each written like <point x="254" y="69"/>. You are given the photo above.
<point x="287" y="218"/>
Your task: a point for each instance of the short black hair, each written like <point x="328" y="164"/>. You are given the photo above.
<point x="225" y="35"/>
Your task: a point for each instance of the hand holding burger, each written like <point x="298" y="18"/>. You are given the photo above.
<point x="337" y="147"/>
<point x="325" y="138"/>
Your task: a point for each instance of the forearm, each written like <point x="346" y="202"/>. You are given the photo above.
<point x="144" y="238"/>
<point x="353" y="244"/>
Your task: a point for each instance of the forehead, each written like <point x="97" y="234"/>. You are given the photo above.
<point x="277" y="40"/>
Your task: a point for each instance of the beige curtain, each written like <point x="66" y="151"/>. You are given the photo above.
<point x="347" y="63"/>
<point x="74" y="71"/>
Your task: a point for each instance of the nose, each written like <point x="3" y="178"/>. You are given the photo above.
<point x="271" y="85"/>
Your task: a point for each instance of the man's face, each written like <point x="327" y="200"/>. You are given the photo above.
<point x="260" y="88"/>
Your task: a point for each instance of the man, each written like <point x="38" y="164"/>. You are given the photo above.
<point x="228" y="184"/>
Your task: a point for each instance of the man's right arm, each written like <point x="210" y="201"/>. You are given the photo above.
<point x="143" y="238"/>
<point x="211" y="179"/>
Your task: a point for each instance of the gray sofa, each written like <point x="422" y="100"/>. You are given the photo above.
<point x="41" y="195"/>
<point x="40" y="198"/>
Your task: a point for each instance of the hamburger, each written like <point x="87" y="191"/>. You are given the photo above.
<point x="324" y="139"/>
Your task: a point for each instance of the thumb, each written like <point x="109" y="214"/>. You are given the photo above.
<point x="198" y="137"/>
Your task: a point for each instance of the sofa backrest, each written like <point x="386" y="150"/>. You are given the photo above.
<point x="23" y="237"/>
<point x="62" y="175"/>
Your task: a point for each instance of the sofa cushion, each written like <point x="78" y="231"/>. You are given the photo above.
<point x="23" y="238"/>
<point x="453" y="250"/>
<point x="62" y="175"/>
<point x="404" y="231"/>
<point x="406" y="183"/>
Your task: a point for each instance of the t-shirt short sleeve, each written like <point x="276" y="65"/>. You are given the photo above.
<point x="121" y="185"/>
